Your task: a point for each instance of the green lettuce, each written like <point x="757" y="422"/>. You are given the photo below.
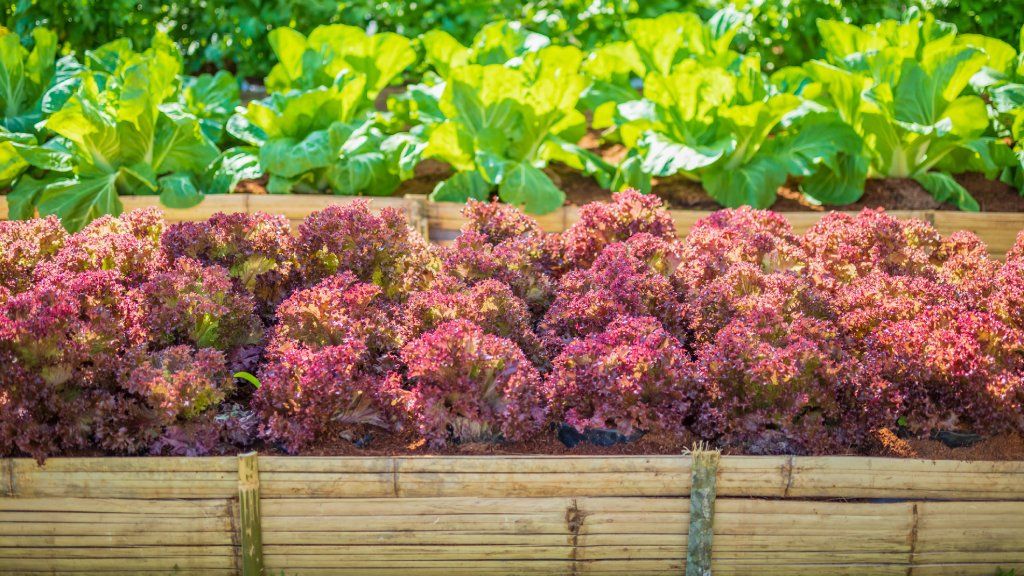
<point x="503" y="125"/>
<point x="120" y="131"/>
<point x="312" y="140"/>
<point x="334" y="50"/>
<point x="26" y="77"/>
<point x="418" y="107"/>
<point x="1002" y="83"/>
<point x="904" y="86"/>
<point x="212" y="99"/>
<point x="496" y="43"/>
<point x="654" y="46"/>
<point x="732" y="131"/>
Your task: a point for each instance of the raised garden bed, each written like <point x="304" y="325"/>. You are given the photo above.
<point x="441" y="221"/>
<point x="507" y="515"/>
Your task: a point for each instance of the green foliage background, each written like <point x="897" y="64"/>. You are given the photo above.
<point x="231" y="34"/>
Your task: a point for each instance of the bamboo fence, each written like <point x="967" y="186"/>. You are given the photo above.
<point x="441" y="221"/>
<point x="449" y="516"/>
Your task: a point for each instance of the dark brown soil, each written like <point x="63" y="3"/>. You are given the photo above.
<point x="429" y="173"/>
<point x="889" y="193"/>
<point x="992" y="195"/>
<point x="1005" y="447"/>
<point x="681" y="193"/>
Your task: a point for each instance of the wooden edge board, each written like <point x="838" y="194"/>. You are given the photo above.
<point x="497" y="476"/>
<point x="442" y="220"/>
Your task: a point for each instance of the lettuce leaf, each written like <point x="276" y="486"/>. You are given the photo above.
<point x="503" y="125"/>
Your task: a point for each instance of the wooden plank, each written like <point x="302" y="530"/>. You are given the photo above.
<point x="126" y="569"/>
<point x="857" y="477"/>
<point x="211" y="204"/>
<point x="998" y="230"/>
<point x="29" y="525"/>
<point x="126" y="552"/>
<point x="298" y="206"/>
<point x="169" y="564"/>
<point x="4" y="211"/>
<point x="130" y="464"/>
<point x="151" y="536"/>
<point x="198" y="478"/>
<point x="795" y="477"/>
<point x="447" y="217"/>
<point x="416" y="212"/>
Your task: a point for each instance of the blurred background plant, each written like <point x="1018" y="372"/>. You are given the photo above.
<point x="230" y="34"/>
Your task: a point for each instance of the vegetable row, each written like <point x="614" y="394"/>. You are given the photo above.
<point x="134" y="337"/>
<point x="901" y="99"/>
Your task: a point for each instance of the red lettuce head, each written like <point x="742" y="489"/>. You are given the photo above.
<point x="842" y="247"/>
<point x="518" y="262"/>
<point x="603" y="223"/>
<point x="954" y="368"/>
<point x="320" y="396"/>
<point x="129" y="245"/>
<point x="632" y="377"/>
<point x="760" y="238"/>
<point x="617" y="284"/>
<point x="190" y="303"/>
<point x="257" y="249"/>
<point x="24" y="244"/>
<point x="339" y="309"/>
<point x="376" y="248"/>
<point x="466" y="385"/>
<point x="489" y="304"/>
<point x="788" y="381"/>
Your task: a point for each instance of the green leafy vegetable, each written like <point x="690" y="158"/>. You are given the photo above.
<point x="726" y="128"/>
<point x="505" y="124"/>
<point x="212" y="99"/>
<point x="119" y="132"/>
<point x="495" y="43"/>
<point x="334" y="50"/>
<point x="903" y="86"/>
<point x="314" y="139"/>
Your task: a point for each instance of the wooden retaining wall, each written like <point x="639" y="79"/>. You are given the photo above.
<point x="506" y="515"/>
<point x="441" y="221"/>
<point x="294" y="206"/>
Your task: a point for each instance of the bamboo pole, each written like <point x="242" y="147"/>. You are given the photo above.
<point x="250" y="528"/>
<point x="704" y="472"/>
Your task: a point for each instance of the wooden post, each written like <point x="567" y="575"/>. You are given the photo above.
<point x="703" y="488"/>
<point x="249" y="515"/>
<point x="417" y="214"/>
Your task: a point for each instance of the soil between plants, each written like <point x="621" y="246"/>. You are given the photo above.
<point x="682" y="194"/>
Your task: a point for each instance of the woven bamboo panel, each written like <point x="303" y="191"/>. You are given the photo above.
<point x="510" y="515"/>
<point x="648" y="476"/>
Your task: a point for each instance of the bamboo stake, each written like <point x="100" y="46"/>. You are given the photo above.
<point x="702" y="511"/>
<point x="249" y="514"/>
